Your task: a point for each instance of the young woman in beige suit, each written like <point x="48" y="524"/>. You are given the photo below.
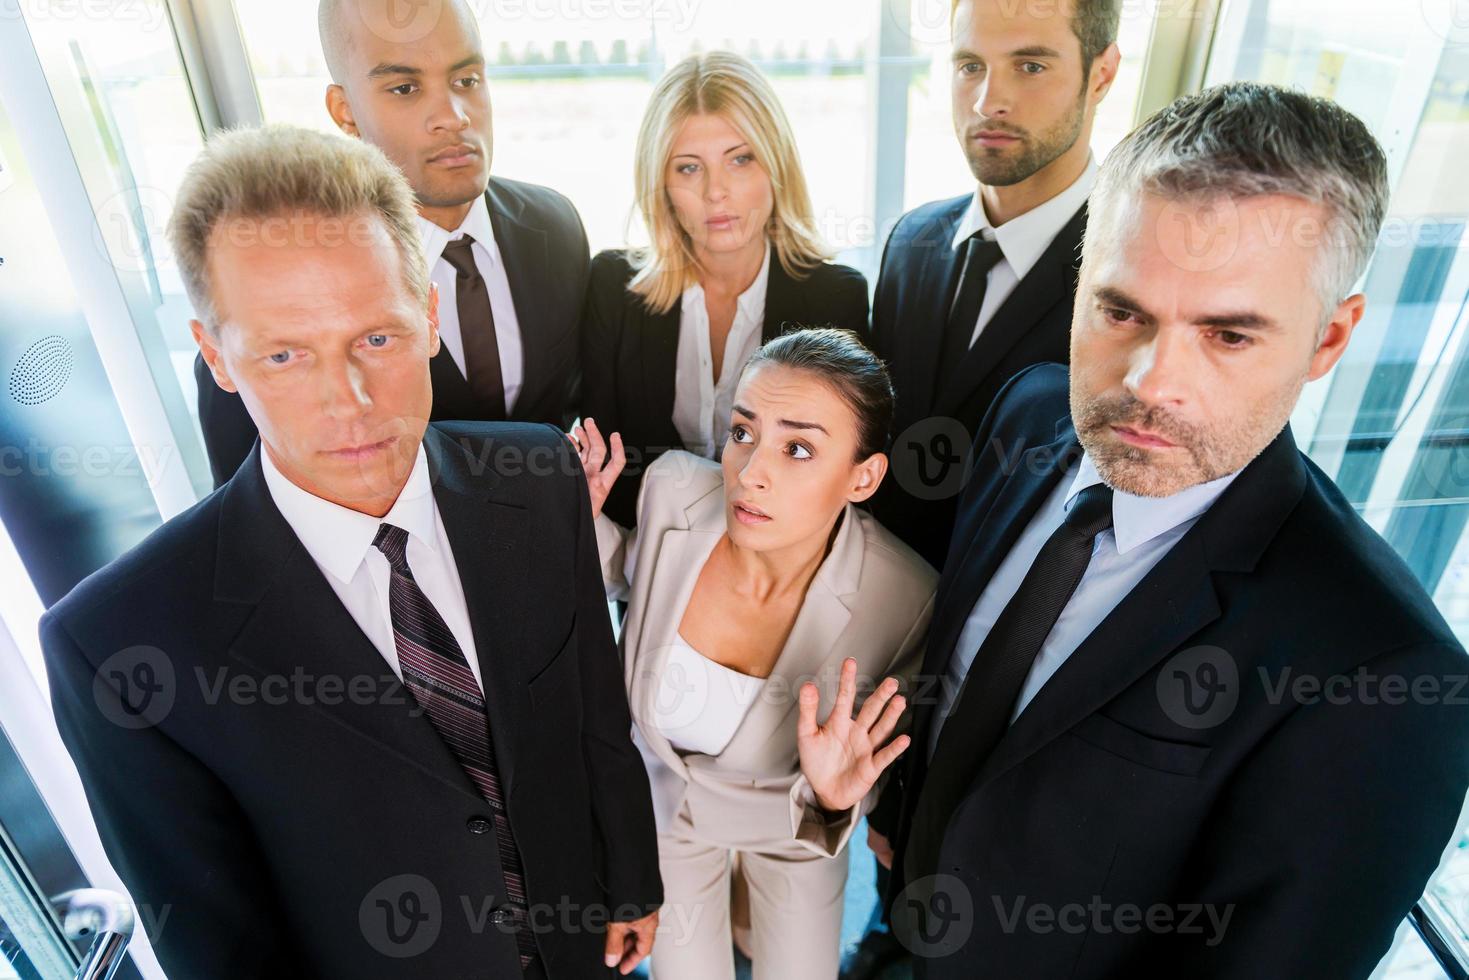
<point x="757" y="595"/>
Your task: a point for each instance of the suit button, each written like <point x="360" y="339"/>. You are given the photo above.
<point x="479" y="825"/>
<point x="502" y="917"/>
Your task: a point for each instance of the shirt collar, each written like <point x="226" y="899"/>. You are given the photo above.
<point x="1138" y="520"/>
<point x="750" y="307"/>
<point x="1024" y="239"/>
<point x="337" y="537"/>
<point x="476" y="224"/>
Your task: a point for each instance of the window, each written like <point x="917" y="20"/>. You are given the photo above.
<point x="1391" y="424"/>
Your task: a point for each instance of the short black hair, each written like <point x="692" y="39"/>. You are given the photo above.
<point x="1094" y="22"/>
<point x="843" y="362"/>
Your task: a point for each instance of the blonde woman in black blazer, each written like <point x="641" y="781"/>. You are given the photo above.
<point x="734" y="261"/>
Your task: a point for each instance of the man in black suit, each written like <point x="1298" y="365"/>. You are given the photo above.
<point x="1190" y="715"/>
<point x="358" y="713"/>
<point x="510" y="259"/>
<point x="975" y="288"/>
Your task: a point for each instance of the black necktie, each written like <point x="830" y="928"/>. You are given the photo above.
<point x="436" y="671"/>
<point x="980" y="256"/>
<point x="981" y="713"/>
<point x="477" y="330"/>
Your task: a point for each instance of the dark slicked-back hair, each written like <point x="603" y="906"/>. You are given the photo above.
<point x="1094" y="22"/>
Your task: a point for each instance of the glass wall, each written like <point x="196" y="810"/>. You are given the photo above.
<point x="1391" y="424"/>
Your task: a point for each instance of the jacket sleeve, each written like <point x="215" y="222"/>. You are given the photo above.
<point x="1306" y="868"/>
<point x="171" y="829"/>
<point x="621" y="798"/>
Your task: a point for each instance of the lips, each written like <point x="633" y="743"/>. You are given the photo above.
<point x="721" y="221"/>
<point x="746" y="514"/>
<point x="363" y="451"/>
<point x="1141" y="438"/>
<point x="455" y="156"/>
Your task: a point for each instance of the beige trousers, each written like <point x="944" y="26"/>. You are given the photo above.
<point x="795" y="909"/>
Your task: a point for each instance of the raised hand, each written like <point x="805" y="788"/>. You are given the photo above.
<point x="592" y="450"/>
<point x="843" y="758"/>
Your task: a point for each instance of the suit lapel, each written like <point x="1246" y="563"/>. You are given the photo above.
<point x="1035" y="475"/>
<point x="524" y="250"/>
<point x="1051" y="281"/>
<point x="295" y="625"/>
<point x="808" y="650"/>
<point x="515" y="630"/>
<point x="453" y="398"/>
<point x="1172" y="603"/>
<point x="938" y="277"/>
<point x="783" y="304"/>
<point x="658" y="333"/>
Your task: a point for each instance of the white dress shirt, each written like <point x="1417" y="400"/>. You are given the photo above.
<point x="1022" y="240"/>
<point x="339" y="540"/>
<point x="1143" y="530"/>
<point x="492" y="269"/>
<point x="701" y="405"/>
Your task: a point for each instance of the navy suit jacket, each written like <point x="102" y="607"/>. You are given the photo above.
<point x="1239" y="734"/>
<point x="265" y="786"/>
<point x="916" y="287"/>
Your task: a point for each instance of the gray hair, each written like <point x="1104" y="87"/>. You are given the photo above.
<point x="256" y="180"/>
<point x="1246" y="139"/>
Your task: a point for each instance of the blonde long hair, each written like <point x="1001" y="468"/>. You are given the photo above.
<point x="723" y="84"/>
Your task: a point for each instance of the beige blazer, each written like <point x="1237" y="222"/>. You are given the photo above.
<point x="871" y="599"/>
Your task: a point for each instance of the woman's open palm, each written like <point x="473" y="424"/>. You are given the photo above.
<point x="843" y="758"/>
<point x="592" y="450"/>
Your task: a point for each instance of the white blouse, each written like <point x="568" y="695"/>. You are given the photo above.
<point x="700" y="703"/>
<point x="701" y="405"/>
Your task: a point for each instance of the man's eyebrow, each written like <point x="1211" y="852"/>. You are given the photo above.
<point x="1035" y="51"/>
<point x="1239" y="320"/>
<point x="469" y="62"/>
<point x="379" y="71"/>
<point x="964" y="54"/>
<point x="783" y="423"/>
<point x="1112" y="296"/>
<point x="1243" y="320"/>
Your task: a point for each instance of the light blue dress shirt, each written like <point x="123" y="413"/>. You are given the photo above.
<point x="1143" y="530"/>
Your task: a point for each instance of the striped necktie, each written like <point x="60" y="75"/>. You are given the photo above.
<point x="435" y="670"/>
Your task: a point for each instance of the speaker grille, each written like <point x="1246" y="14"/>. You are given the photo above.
<point x="42" y="371"/>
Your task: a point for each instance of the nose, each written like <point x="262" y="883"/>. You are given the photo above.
<point x="992" y="99"/>
<point x="344" y="396"/>
<point x="755" y="474"/>
<point x="1159" y="370"/>
<point x="716" y="186"/>
<point x="448" y="114"/>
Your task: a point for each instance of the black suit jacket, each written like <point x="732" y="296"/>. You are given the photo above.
<point x="278" y="799"/>
<point x="1313" y="825"/>
<point x="629" y="355"/>
<point x="920" y="272"/>
<point x="544" y="248"/>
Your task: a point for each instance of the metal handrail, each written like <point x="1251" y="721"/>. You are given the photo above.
<point x="103" y="914"/>
<point x="1443" y="935"/>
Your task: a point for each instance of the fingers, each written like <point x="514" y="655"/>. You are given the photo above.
<point x="596" y="446"/>
<point x="618" y="459"/>
<point x="616" y="940"/>
<point x="885" y="756"/>
<point x="806" y="718"/>
<point x="644" y="930"/>
<point x="846" y="692"/>
<point x="891" y="715"/>
<point x="875" y="703"/>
